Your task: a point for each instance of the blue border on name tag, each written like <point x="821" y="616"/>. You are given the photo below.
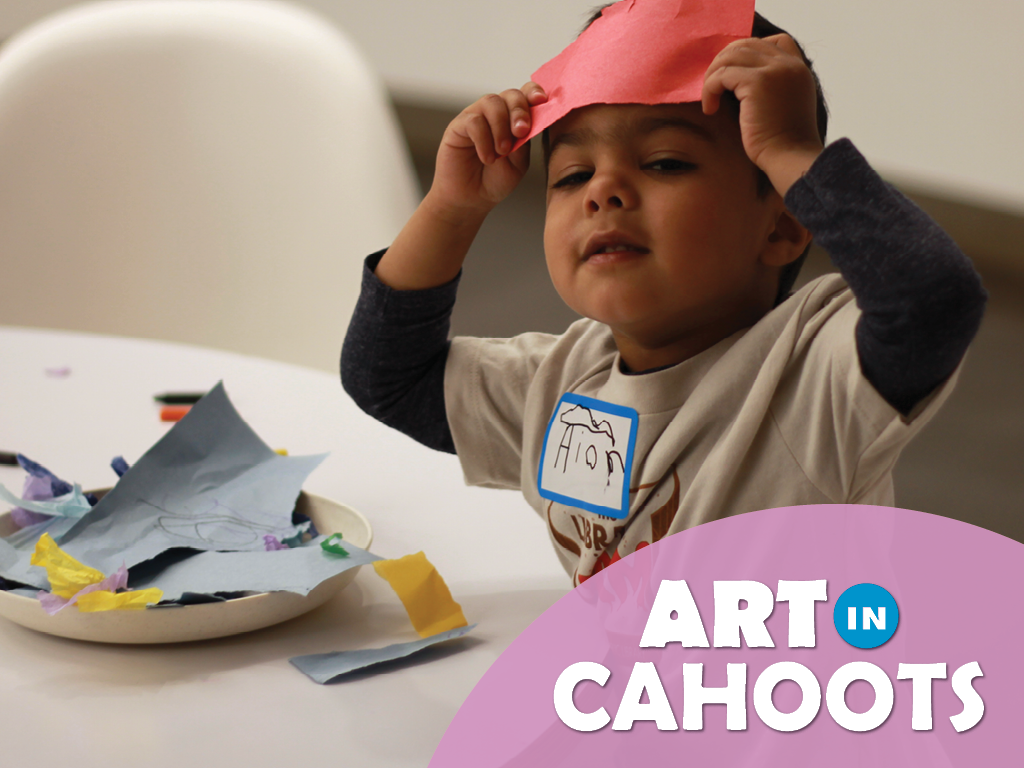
<point x="599" y="406"/>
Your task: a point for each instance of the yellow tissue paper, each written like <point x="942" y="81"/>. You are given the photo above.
<point x="423" y="592"/>
<point x="104" y="600"/>
<point x="67" y="576"/>
<point x="82" y="585"/>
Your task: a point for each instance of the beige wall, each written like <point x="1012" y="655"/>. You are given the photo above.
<point x="926" y="88"/>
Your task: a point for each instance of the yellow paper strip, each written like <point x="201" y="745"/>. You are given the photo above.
<point x="423" y="592"/>
<point x="105" y="600"/>
<point x="67" y="576"/>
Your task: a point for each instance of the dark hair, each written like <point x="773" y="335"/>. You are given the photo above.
<point x="762" y="28"/>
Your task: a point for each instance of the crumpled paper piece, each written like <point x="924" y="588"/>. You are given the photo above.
<point x="435" y="616"/>
<point x="72" y="505"/>
<point x="72" y="583"/>
<point x="423" y="592"/>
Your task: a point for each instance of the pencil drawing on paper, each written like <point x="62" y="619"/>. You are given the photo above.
<point x="218" y="525"/>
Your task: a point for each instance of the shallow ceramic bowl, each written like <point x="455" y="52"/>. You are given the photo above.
<point x="182" y="624"/>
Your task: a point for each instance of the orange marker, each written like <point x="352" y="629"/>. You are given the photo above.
<point x="174" y="412"/>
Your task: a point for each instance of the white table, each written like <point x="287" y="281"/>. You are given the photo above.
<point x="237" y="701"/>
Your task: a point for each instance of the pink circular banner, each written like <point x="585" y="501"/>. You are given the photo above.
<point x="724" y="646"/>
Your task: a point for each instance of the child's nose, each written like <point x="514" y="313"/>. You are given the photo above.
<point x="609" y="191"/>
<point x="612" y="201"/>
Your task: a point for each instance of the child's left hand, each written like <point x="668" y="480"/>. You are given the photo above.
<point x="778" y="106"/>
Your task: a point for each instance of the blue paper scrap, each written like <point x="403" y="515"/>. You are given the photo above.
<point x="327" y="667"/>
<point x="210" y="484"/>
<point x="296" y="570"/>
<point x="119" y="465"/>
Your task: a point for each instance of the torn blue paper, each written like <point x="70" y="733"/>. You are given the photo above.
<point x="209" y="484"/>
<point x="327" y="667"/>
<point x="25" y="539"/>
<point x="288" y="570"/>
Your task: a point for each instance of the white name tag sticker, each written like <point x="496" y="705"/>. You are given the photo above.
<point x="587" y="458"/>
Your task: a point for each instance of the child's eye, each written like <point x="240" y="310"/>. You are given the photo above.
<point x="573" y="179"/>
<point x="670" y="165"/>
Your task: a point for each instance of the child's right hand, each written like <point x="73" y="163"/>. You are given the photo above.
<point x="475" y="168"/>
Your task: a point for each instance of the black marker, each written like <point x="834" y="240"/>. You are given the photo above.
<point x="179" y="398"/>
<point x="10" y="459"/>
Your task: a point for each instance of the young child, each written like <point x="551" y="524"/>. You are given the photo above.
<point x="695" y="387"/>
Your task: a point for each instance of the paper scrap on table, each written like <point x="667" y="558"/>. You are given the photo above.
<point x="423" y="592"/>
<point x="73" y="583"/>
<point x="67" y="576"/>
<point x="34" y="489"/>
<point x="327" y="667"/>
<point x="289" y="570"/>
<point x="640" y="52"/>
<point x="209" y="484"/>
<point x="73" y="504"/>
<point x="15" y="566"/>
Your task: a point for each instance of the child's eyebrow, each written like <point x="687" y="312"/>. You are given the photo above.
<point x="651" y="124"/>
<point x="572" y="139"/>
<point x="585" y="135"/>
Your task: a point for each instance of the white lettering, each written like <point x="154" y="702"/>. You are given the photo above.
<point x="686" y="628"/>
<point x="974" y="707"/>
<point x="801" y="596"/>
<point x="733" y="695"/>
<point x="730" y="618"/>
<point x="922" y="675"/>
<point x="644" y="678"/>
<point x="835" y="696"/>
<point x="810" y="693"/>
<point x="565" y="707"/>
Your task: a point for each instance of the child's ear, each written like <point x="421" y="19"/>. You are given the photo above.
<point x="786" y="241"/>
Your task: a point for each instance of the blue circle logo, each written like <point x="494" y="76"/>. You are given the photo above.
<point x="866" y="615"/>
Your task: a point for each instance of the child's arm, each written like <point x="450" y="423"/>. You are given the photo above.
<point x="393" y="358"/>
<point x="475" y="171"/>
<point x="921" y="301"/>
<point x="920" y="298"/>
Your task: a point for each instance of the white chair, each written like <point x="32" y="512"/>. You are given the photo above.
<point x="205" y="171"/>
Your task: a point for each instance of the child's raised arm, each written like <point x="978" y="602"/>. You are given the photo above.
<point x="920" y="298"/>
<point x="475" y="171"/>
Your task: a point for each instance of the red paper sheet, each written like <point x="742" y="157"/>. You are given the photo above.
<point x="640" y="52"/>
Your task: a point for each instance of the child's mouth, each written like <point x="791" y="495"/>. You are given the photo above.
<point x="612" y="247"/>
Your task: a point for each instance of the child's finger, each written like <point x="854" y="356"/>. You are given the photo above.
<point x="714" y="86"/>
<point x="711" y="92"/>
<point x="743" y="56"/>
<point x="733" y="67"/>
<point x="710" y="96"/>
<point x="478" y="130"/>
<point x="518" y="110"/>
<point x="496" y="111"/>
<point x="786" y="43"/>
<point x="535" y="94"/>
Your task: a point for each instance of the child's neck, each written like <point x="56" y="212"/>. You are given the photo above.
<point x="640" y="355"/>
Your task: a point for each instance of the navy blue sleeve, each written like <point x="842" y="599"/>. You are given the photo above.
<point x="921" y="299"/>
<point x="393" y="358"/>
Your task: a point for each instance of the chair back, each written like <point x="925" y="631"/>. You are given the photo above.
<point x="203" y="171"/>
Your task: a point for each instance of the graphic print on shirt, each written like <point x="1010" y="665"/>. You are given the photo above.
<point x="588" y="455"/>
<point x="597" y="543"/>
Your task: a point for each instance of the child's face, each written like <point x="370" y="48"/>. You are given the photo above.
<point x="673" y="194"/>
